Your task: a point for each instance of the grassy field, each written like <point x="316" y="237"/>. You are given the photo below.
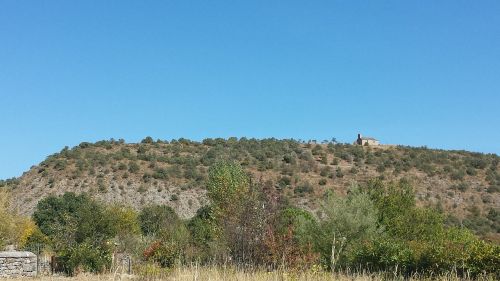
<point x="232" y="274"/>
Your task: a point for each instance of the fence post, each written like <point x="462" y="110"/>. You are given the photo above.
<point x="37" y="259"/>
<point x="129" y="265"/>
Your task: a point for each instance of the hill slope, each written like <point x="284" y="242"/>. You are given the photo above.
<point x="465" y="185"/>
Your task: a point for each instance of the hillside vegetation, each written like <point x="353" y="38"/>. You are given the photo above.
<point x="375" y="227"/>
<point x="463" y="185"/>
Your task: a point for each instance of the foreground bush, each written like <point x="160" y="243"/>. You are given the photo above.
<point x="417" y="240"/>
<point x="79" y="230"/>
<point x="347" y="223"/>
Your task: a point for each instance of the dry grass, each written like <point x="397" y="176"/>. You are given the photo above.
<point x="232" y="274"/>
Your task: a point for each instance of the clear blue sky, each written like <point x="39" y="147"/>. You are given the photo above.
<point x="407" y="72"/>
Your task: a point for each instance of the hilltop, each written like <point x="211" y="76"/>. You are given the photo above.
<point x="464" y="185"/>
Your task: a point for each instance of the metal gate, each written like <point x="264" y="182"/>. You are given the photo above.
<point x="43" y="260"/>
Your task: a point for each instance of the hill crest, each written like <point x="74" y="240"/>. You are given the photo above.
<point x="465" y="185"/>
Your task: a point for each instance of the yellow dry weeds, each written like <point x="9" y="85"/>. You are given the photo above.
<point x="232" y="274"/>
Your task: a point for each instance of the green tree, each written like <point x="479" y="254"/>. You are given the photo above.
<point x="147" y="139"/>
<point x="79" y="230"/>
<point x="154" y="218"/>
<point x="348" y="221"/>
<point x="399" y="214"/>
<point x="202" y="230"/>
<point x="227" y="184"/>
<point x="125" y="219"/>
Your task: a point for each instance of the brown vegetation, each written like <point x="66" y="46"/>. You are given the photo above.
<point x="233" y="274"/>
